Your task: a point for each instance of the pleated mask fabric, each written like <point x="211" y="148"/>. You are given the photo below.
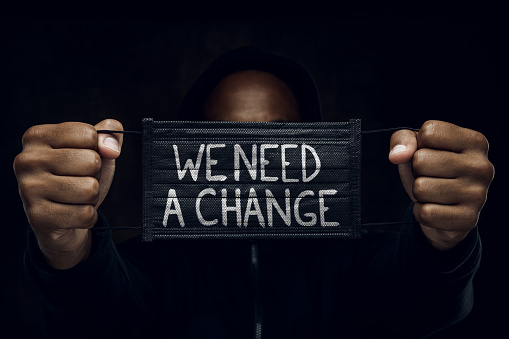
<point x="220" y="179"/>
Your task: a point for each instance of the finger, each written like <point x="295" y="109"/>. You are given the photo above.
<point x="49" y="215"/>
<point x="402" y="146"/>
<point x="75" y="162"/>
<point x="61" y="189"/>
<point x="73" y="190"/>
<point x="109" y="145"/>
<point x="445" y="191"/>
<point x="445" y="164"/>
<point x="64" y="135"/>
<point x="436" y="163"/>
<point x="64" y="162"/>
<point x="449" y="137"/>
<point x="446" y="217"/>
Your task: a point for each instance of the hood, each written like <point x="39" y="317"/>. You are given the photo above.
<point x="295" y="75"/>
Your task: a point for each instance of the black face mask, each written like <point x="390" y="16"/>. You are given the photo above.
<point x="251" y="180"/>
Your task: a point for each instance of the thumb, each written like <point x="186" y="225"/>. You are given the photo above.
<point x="108" y="147"/>
<point x="403" y="147"/>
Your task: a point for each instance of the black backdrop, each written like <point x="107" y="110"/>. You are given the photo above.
<point x="387" y="70"/>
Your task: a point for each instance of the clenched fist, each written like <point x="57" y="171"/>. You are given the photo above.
<point x="445" y="170"/>
<point x="64" y="173"/>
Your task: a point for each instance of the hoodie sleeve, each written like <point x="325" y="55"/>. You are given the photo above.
<point x="96" y="298"/>
<point x="416" y="290"/>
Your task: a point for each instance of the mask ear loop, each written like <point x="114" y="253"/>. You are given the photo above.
<point x="122" y="132"/>
<point x="372" y="224"/>
<point x="394" y="129"/>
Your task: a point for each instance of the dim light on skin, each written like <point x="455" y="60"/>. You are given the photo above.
<point x="253" y="96"/>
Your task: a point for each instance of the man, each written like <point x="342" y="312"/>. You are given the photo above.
<point x="384" y="285"/>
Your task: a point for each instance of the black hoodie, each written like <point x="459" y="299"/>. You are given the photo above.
<point x="385" y="285"/>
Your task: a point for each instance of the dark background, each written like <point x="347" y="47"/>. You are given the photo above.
<point x="387" y="70"/>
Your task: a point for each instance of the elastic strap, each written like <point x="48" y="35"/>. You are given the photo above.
<point x="122" y="132"/>
<point x="389" y="130"/>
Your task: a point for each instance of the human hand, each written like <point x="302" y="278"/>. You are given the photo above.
<point x="445" y="170"/>
<point x="64" y="173"/>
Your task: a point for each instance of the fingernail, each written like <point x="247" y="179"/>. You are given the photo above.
<point x="398" y="149"/>
<point x="112" y="144"/>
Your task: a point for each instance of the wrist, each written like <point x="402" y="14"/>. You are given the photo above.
<point x="68" y="258"/>
<point x="443" y="240"/>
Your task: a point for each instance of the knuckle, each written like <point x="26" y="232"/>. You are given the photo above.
<point x="487" y="169"/>
<point x="420" y="187"/>
<point x="90" y="189"/>
<point x="478" y="195"/>
<point x="427" y="129"/>
<point x="481" y="167"/>
<point x="93" y="161"/>
<point x="97" y="162"/>
<point x="86" y="216"/>
<point x="480" y="141"/>
<point x="34" y="134"/>
<point x="23" y="162"/>
<point x="490" y="171"/>
<point x="85" y="133"/>
<point x="37" y="214"/>
<point x="470" y="217"/>
<point x="419" y="159"/>
<point x="426" y="214"/>
<point x="28" y="186"/>
<point x="114" y="124"/>
<point x="88" y="135"/>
